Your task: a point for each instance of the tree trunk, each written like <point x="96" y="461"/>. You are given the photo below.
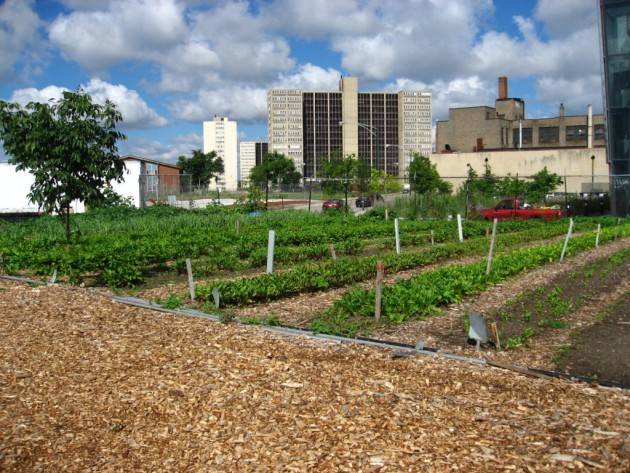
<point x="68" y="235"/>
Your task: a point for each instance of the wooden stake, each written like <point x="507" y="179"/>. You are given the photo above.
<point x="494" y="332"/>
<point x="191" y="282"/>
<point x="238" y="226"/>
<point x="386" y="215"/>
<point x="487" y="232"/>
<point x="380" y="274"/>
<point x="491" y="252"/>
<point x="270" y="248"/>
<point x="333" y="253"/>
<point x="460" y="229"/>
<point x="432" y="238"/>
<point x="397" y="235"/>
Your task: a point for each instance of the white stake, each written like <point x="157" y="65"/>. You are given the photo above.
<point x="460" y="230"/>
<point x="599" y="228"/>
<point x="491" y="252"/>
<point x="380" y="273"/>
<point x="333" y="253"/>
<point x="386" y="215"/>
<point x="566" y="240"/>
<point x="191" y="282"/>
<point x="270" y="247"/>
<point x="397" y="234"/>
<point x="432" y="238"/>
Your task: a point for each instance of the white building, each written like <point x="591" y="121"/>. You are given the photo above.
<point x="251" y="154"/>
<point x="220" y="135"/>
<point x="382" y="129"/>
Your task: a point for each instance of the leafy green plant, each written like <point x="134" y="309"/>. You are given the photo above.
<point x="173" y="301"/>
<point x="520" y="340"/>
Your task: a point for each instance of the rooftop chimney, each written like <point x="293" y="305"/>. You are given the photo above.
<point x="503" y="87"/>
<point x="561" y="111"/>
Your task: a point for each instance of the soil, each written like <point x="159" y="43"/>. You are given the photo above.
<point x="602" y="350"/>
<point x="87" y="384"/>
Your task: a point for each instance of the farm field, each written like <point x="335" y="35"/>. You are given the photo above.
<point x="428" y="288"/>
<point x="89" y="384"/>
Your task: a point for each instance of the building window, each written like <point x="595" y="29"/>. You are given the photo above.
<point x="600" y="132"/>
<point x="527" y="136"/>
<point x="576" y="133"/>
<point x="548" y="134"/>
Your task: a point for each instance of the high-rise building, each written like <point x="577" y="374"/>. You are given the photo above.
<point x="615" y="29"/>
<point x="250" y="155"/>
<point x="382" y="129"/>
<point x="219" y="135"/>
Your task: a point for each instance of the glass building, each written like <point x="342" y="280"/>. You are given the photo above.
<point x="615" y="29"/>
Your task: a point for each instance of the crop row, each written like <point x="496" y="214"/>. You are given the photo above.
<point x="345" y="271"/>
<point x="419" y="297"/>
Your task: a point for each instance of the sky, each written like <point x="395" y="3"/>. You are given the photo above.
<point x="171" y="64"/>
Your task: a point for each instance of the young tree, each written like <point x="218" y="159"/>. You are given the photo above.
<point x="381" y="182"/>
<point x="424" y="178"/>
<point x="275" y="169"/>
<point x="543" y="182"/>
<point x="202" y="167"/>
<point x="68" y="145"/>
<point x="341" y="173"/>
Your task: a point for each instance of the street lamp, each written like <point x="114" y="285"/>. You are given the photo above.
<point x="370" y="129"/>
<point x="405" y="164"/>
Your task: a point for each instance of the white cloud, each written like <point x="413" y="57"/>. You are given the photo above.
<point x="167" y="152"/>
<point x="567" y="16"/>
<point x="135" y="111"/>
<point x="20" y="41"/>
<point x="576" y="93"/>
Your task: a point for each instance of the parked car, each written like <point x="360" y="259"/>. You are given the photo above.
<point x="365" y="201"/>
<point x="332" y="204"/>
<point x="513" y="209"/>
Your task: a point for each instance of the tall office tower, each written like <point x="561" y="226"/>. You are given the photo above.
<point x="220" y="135"/>
<point x="250" y="155"/>
<point x="380" y="128"/>
<point x="615" y="29"/>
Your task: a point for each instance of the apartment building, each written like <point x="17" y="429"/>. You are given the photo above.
<point x="220" y="135"/>
<point x="250" y="155"/>
<point x="382" y="129"/>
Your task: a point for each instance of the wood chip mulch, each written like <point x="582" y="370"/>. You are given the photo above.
<point x="90" y="385"/>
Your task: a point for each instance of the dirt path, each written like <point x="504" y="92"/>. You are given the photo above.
<point x="442" y="331"/>
<point x="90" y="385"/>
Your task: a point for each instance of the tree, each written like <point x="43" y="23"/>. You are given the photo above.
<point x="202" y="167"/>
<point x="341" y="173"/>
<point x="275" y="169"/>
<point x="68" y="145"/>
<point x="424" y="178"/>
<point x="543" y="182"/>
<point x="381" y="182"/>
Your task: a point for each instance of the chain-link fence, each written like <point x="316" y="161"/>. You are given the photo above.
<point x="586" y="194"/>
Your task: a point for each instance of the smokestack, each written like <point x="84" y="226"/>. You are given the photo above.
<point x="503" y="87"/>
<point x="589" y="126"/>
<point x="561" y="111"/>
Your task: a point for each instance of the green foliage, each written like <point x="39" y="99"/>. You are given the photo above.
<point x="226" y="316"/>
<point x="381" y="182"/>
<point x="340" y="173"/>
<point x="543" y="182"/>
<point x="424" y="178"/>
<point x="272" y="320"/>
<point x="69" y="146"/>
<point x="275" y="169"/>
<point x="520" y="340"/>
<point x="202" y="167"/>
<point x="173" y="301"/>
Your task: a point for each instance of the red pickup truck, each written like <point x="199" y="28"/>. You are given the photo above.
<point x="511" y="208"/>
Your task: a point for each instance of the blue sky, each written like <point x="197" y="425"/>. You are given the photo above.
<point x="170" y="64"/>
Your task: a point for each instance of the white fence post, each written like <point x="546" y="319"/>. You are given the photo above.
<point x="491" y="252"/>
<point x="460" y="230"/>
<point x="599" y="229"/>
<point x="380" y="273"/>
<point x="432" y="238"/>
<point x="397" y="234"/>
<point x="191" y="282"/>
<point x="333" y="253"/>
<point x="270" y="247"/>
<point x="566" y="240"/>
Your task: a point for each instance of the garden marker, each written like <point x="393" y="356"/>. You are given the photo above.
<point x="459" y="227"/>
<point x="380" y="273"/>
<point x="238" y="225"/>
<point x="491" y="252"/>
<point x="191" y="282"/>
<point x="270" y="245"/>
<point x="53" y="278"/>
<point x="566" y="240"/>
<point x="386" y="214"/>
<point x="397" y="234"/>
<point x="432" y="238"/>
<point x="599" y="228"/>
<point x="333" y="253"/>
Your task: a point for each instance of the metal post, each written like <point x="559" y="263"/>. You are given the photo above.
<point x="270" y="247"/>
<point x="460" y="230"/>
<point x="191" y="282"/>
<point x="310" y="188"/>
<point x="491" y="252"/>
<point x="566" y="240"/>
<point x="599" y="228"/>
<point x="397" y="234"/>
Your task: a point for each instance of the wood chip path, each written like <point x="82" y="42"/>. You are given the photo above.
<point x="90" y="385"/>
